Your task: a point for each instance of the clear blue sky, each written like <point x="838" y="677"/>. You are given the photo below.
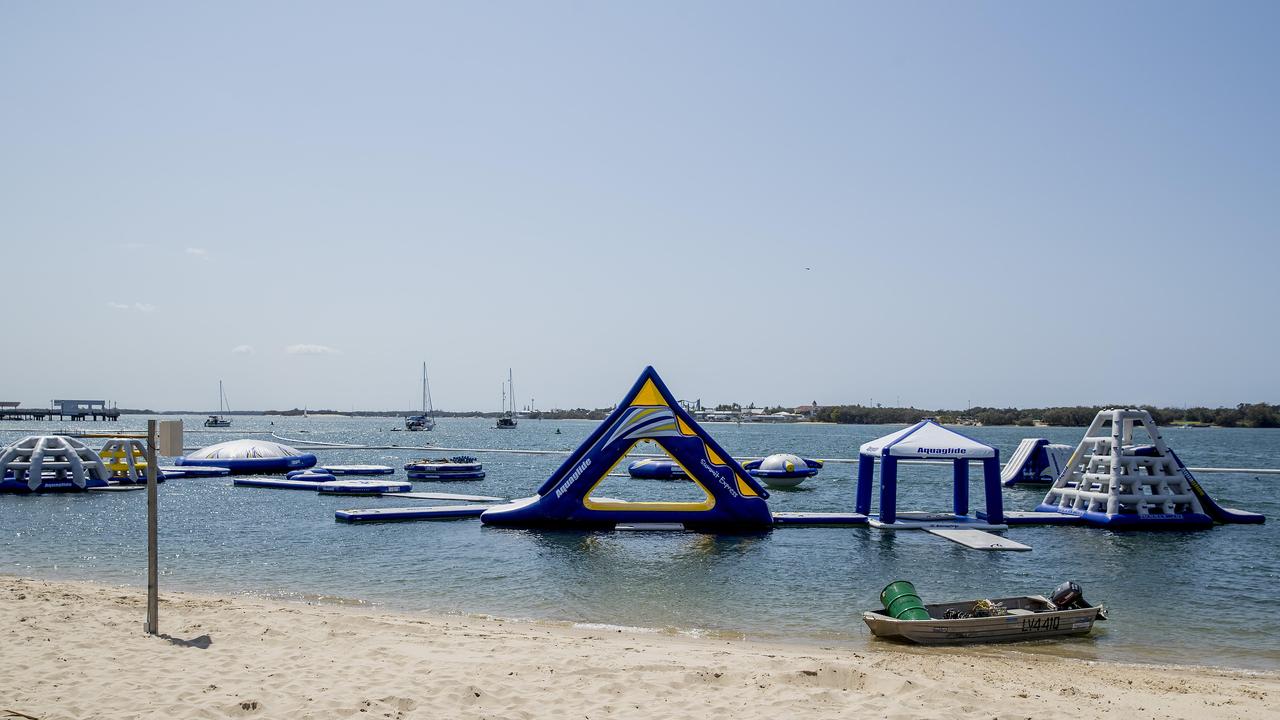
<point x="937" y="203"/>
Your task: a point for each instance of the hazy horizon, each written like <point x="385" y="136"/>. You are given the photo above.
<point x="933" y="205"/>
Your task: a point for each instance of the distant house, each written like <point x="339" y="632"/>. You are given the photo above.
<point x="810" y="411"/>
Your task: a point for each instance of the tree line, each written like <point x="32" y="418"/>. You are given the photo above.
<point x="1254" y="415"/>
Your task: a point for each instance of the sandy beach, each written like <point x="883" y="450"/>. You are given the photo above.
<point x="77" y="650"/>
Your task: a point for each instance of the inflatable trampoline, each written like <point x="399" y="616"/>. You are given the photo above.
<point x="653" y="469"/>
<point x="358" y="469"/>
<point x="783" y="470"/>
<point x="458" y="467"/>
<point x="250" y="456"/>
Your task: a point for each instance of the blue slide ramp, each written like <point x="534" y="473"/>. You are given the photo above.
<point x="734" y="501"/>
<point x="1211" y="507"/>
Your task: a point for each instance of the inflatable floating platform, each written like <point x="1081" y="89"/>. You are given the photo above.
<point x="193" y="471"/>
<point x="357" y="469"/>
<point x="438" y="512"/>
<point x="326" y="484"/>
<point x="458" y="467"/>
<point x="51" y="482"/>
<point x="363" y="487"/>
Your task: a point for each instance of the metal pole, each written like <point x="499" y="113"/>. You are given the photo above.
<point x="153" y="584"/>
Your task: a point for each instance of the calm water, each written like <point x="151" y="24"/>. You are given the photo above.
<point x="1205" y="597"/>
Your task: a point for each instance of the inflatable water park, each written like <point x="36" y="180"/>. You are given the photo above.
<point x="1145" y="486"/>
<point x="1122" y="475"/>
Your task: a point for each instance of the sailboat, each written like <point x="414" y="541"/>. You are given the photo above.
<point x="507" y="421"/>
<point x="218" y="420"/>
<point x="427" y="420"/>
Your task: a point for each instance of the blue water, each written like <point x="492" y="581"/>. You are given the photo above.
<point x="1204" y="597"/>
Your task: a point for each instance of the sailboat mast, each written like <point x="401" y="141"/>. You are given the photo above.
<point x="220" y="397"/>
<point x="511" y="388"/>
<point x="431" y="410"/>
<point x="424" y="388"/>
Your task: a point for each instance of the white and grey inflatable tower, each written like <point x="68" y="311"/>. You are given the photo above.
<point x="1109" y="480"/>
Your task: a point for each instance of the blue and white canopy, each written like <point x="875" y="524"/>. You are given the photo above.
<point x="928" y="440"/>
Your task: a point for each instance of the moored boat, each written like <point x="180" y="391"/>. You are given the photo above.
<point x="1029" y="617"/>
<point x="426" y="420"/>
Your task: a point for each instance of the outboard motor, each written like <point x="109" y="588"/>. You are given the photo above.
<point x="1068" y="596"/>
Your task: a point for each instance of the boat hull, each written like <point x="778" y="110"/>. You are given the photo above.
<point x="1030" y="619"/>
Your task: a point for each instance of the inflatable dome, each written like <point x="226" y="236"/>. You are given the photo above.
<point x="250" y="456"/>
<point x="783" y="469"/>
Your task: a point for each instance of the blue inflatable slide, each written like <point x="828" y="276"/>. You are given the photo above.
<point x="734" y="501"/>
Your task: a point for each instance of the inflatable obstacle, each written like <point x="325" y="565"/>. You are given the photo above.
<point x="1113" y="481"/>
<point x="655" y="469"/>
<point x="50" y="463"/>
<point x="783" y="470"/>
<point x="363" y="487"/>
<point x="250" y="456"/>
<point x="733" y="501"/>
<point x="458" y="467"/>
<point x="126" y="459"/>
<point x="1036" y="461"/>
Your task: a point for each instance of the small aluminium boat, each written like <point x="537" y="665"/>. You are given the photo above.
<point x="1030" y="617"/>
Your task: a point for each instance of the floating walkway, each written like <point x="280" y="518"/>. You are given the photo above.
<point x="437" y="512"/>
<point x="314" y="445"/>
<point x="977" y="539"/>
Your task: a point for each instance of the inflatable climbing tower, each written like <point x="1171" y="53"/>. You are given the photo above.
<point x="1117" y="480"/>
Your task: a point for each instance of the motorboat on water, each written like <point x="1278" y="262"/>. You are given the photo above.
<point x="1010" y="619"/>
<point x="426" y="420"/>
<point x="219" y="420"/>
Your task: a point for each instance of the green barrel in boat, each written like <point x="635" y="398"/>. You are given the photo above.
<point x="900" y="600"/>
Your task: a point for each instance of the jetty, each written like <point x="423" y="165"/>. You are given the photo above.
<point x="62" y="410"/>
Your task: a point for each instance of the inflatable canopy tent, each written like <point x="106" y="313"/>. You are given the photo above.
<point x="734" y="501"/>
<point x="927" y="440"/>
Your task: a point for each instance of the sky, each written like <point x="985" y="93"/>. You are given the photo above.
<point x="926" y="204"/>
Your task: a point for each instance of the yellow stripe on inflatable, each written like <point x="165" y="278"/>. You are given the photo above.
<point x="713" y="457"/>
<point x="684" y="427"/>
<point x="649" y="395"/>
<point x="744" y="488"/>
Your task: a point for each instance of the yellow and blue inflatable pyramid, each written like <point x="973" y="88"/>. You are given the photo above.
<point x="734" y="502"/>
